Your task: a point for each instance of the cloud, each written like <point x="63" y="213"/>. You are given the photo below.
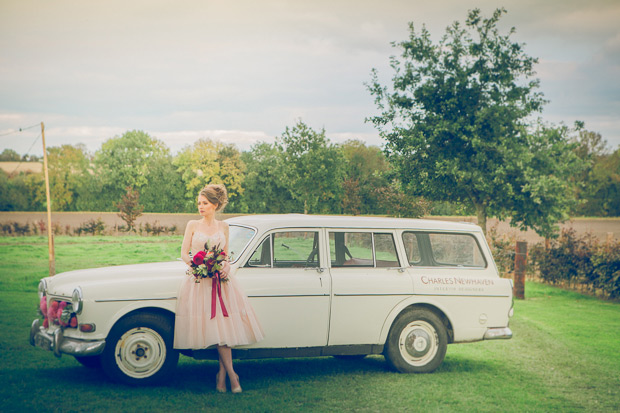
<point x="94" y="70"/>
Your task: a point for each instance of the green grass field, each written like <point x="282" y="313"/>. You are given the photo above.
<point x="564" y="356"/>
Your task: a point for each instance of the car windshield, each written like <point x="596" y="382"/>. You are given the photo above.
<point x="238" y="239"/>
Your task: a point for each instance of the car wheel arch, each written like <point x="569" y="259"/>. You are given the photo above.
<point x="132" y="309"/>
<point x="145" y="310"/>
<point x="406" y="306"/>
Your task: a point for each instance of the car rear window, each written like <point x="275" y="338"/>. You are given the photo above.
<point x="443" y="249"/>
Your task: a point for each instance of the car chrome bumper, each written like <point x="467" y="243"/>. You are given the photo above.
<point x="59" y="344"/>
<point x="498" y="333"/>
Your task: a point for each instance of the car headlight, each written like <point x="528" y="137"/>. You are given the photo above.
<point x="42" y="289"/>
<point x="76" y="300"/>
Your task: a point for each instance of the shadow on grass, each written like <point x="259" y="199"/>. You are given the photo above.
<point x="259" y="374"/>
<point x="192" y="375"/>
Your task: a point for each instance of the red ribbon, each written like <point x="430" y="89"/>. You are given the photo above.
<point x="216" y="292"/>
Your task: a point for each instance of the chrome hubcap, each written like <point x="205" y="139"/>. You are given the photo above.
<point x="140" y="352"/>
<point x="418" y="343"/>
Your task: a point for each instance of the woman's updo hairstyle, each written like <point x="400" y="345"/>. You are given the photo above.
<point x="216" y="194"/>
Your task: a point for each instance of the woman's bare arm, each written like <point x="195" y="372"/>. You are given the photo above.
<point x="187" y="242"/>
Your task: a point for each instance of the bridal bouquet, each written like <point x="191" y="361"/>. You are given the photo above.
<point x="209" y="263"/>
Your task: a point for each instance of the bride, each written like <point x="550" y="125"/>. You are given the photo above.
<point x="234" y="321"/>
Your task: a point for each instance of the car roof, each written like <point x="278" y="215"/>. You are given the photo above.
<point x="266" y="222"/>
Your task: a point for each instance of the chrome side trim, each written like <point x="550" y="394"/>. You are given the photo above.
<point x="498" y="333"/>
<point x="112" y="300"/>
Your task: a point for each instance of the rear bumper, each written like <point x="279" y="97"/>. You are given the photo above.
<point x="499" y="333"/>
<point x="57" y="343"/>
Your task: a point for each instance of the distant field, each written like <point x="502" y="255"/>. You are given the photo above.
<point x="599" y="227"/>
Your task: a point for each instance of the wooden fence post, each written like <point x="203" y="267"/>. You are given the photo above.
<point x="520" y="265"/>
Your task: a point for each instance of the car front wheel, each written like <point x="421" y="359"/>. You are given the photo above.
<point x="139" y="351"/>
<point x="417" y="342"/>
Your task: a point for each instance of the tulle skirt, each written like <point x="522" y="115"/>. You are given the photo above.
<point x="195" y="329"/>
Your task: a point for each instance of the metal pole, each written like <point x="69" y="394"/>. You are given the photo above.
<point x="520" y="264"/>
<point x="50" y="233"/>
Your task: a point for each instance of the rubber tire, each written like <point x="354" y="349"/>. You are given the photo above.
<point x="91" y="362"/>
<point x="437" y="338"/>
<point x="155" y="327"/>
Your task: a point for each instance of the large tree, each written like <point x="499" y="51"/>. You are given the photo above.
<point x="67" y="164"/>
<point x="366" y="170"/>
<point x="455" y="119"/>
<point x="600" y="195"/>
<point x="598" y="186"/>
<point x="126" y="161"/>
<point x="541" y="191"/>
<point x="208" y="161"/>
<point x="313" y="168"/>
<point x="266" y="190"/>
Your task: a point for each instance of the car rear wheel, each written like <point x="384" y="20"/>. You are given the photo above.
<point x="139" y="350"/>
<point x="417" y="342"/>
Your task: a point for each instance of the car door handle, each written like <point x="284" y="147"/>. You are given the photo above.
<point x="400" y="269"/>
<point x="317" y="269"/>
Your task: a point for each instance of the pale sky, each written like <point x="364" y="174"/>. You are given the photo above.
<point x="241" y="71"/>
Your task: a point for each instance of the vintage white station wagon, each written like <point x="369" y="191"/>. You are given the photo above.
<point x="320" y="285"/>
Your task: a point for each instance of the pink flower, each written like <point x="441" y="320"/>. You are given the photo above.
<point x="46" y="323"/>
<point x="52" y="310"/>
<point x="199" y="257"/>
<point x="73" y="323"/>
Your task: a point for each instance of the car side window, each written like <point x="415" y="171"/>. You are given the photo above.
<point x="385" y="251"/>
<point x="355" y="249"/>
<point x="443" y="249"/>
<point x="296" y="249"/>
<point x="412" y="248"/>
<point x="261" y="257"/>
<point x="351" y="249"/>
<point x="456" y="250"/>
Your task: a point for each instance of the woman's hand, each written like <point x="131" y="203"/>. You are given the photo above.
<point x="225" y="270"/>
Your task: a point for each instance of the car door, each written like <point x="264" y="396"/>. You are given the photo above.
<point x="288" y="288"/>
<point x="368" y="281"/>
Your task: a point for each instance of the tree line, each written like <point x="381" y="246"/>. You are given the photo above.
<point x="461" y="137"/>
<point x="302" y="171"/>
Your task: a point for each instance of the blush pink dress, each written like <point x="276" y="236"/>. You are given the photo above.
<point x="194" y="328"/>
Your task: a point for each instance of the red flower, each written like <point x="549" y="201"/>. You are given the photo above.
<point x="73" y="322"/>
<point x="199" y="257"/>
<point x="210" y="262"/>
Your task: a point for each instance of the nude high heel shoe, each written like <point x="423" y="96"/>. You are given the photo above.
<point x="236" y="389"/>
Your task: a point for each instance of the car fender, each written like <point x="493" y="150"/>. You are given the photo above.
<point x="414" y="300"/>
